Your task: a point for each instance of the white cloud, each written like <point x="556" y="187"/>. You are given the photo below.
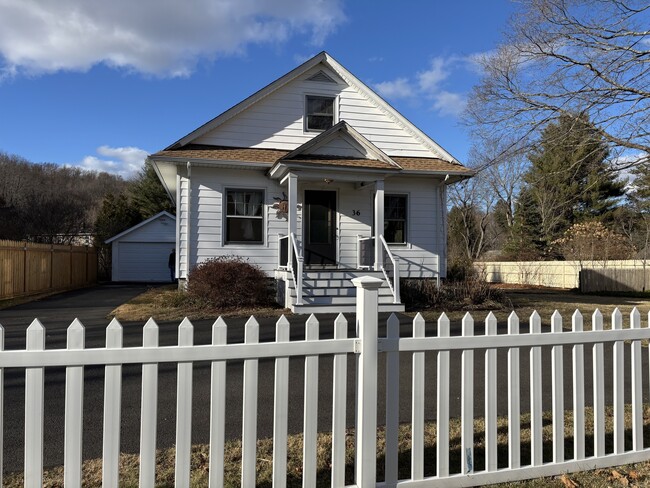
<point x="447" y="103"/>
<point x="430" y="79"/>
<point x="159" y="37"/>
<point x="122" y="161"/>
<point x="429" y="85"/>
<point x="399" y="88"/>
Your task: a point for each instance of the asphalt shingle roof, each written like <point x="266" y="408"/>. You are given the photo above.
<point x="195" y="152"/>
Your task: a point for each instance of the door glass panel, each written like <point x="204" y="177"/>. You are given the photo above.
<point x="320" y="225"/>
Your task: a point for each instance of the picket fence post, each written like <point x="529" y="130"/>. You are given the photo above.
<point x="366" y="428"/>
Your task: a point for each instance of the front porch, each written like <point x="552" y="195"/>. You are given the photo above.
<point x="323" y="288"/>
<point x="318" y="256"/>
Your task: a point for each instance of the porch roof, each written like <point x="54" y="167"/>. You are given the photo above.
<point x="216" y="154"/>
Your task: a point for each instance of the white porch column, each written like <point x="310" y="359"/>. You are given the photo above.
<point x="292" y="184"/>
<point x="379" y="222"/>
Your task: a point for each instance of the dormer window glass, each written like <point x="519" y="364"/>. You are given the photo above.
<point x="319" y="113"/>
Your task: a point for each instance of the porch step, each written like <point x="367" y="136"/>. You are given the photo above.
<point x="342" y="308"/>
<point x="331" y="291"/>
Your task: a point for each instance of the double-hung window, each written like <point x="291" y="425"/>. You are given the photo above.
<point x="319" y="113"/>
<point x="395" y="218"/>
<point x="244" y="216"/>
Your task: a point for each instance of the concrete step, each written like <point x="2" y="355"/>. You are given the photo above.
<point x="339" y="300"/>
<point x="340" y="274"/>
<point x="333" y="290"/>
<point x="383" y="307"/>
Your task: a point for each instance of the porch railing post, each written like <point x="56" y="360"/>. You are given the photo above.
<point x="379" y="224"/>
<point x="366" y="417"/>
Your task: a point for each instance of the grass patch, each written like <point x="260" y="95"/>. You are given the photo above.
<point x="630" y="475"/>
<point x="525" y="301"/>
<point x="167" y="303"/>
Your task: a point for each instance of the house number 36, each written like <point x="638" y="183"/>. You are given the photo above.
<point x="356" y="213"/>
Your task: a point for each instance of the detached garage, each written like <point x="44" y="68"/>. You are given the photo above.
<point x="141" y="253"/>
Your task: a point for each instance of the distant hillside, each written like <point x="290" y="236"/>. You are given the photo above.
<point x="45" y="202"/>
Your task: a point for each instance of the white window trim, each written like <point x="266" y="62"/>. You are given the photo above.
<point x="335" y="116"/>
<point x="399" y="245"/>
<point x="224" y="230"/>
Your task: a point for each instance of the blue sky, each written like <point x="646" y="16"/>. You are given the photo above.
<point x="101" y="84"/>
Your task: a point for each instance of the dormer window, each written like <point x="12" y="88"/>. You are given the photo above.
<point x="319" y="113"/>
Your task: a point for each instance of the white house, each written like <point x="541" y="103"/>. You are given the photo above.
<point x="141" y="253"/>
<point x="315" y="179"/>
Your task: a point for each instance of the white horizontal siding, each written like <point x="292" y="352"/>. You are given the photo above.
<point x="340" y="147"/>
<point x="277" y="120"/>
<point x="425" y="226"/>
<point x="207" y="216"/>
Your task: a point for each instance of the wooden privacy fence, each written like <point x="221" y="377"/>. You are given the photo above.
<point x="27" y="268"/>
<point x="367" y="349"/>
<point x="622" y="279"/>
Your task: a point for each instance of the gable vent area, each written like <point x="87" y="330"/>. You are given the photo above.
<point x="321" y="77"/>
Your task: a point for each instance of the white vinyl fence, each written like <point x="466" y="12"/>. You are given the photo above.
<point x="553" y="274"/>
<point x="367" y="348"/>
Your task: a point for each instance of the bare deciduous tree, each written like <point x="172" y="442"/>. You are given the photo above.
<point x="570" y="57"/>
<point x="504" y="176"/>
<point x="470" y="218"/>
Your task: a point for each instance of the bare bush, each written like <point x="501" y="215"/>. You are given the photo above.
<point x="228" y="282"/>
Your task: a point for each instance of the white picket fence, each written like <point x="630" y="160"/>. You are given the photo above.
<point x="366" y="347"/>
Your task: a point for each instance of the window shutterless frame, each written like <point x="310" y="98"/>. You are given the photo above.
<point x="244" y="221"/>
<point x="320" y="113"/>
<point x="395" y="218"/>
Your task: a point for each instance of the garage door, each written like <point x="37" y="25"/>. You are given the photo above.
<point x="143" y="261"/>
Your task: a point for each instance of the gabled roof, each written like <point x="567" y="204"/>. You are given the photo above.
<point x="367" y="150"/>
<point x="345" y="75"/>
<point x="164" y="213"/>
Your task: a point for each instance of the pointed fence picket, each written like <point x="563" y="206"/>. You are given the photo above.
<point x="249" y="424"/>
<point x="280" y="409"/>
<point x="112" y="410"/>
<point x="578" y="363"/>
<point x="367" y="346"/>
<point x="417" y="422"/>
<point x="149" y="409"/>
<point x="34" y="409"/>
<point x="217" y="407"/>
<point x="74" y="377"/>
<point x="514" y="402"/>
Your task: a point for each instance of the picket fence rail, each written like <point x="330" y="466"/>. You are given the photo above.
<point x="366" y="347"/>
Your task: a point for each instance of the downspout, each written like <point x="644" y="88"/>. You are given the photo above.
<point x="443" y="212"/>
<point x="177" y="244"/>
<point x="187" y="213"/>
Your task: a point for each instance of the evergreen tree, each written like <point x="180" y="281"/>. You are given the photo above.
<point x="148" y="194"/>
<point x="568" y="182"/>
<point x="116" y="214"/>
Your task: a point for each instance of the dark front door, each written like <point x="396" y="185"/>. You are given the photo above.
<point x="320" y="227"/>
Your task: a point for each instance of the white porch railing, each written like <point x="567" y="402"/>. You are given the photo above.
<point x="365" y="253"/>
<point x="369" y="349"/>
<point x="283" y="251"/>
<point x="290" y="258"/>
<point x="296" y="266"/>
<point x="366" y="258"/>
<point x="394" y="286"/>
